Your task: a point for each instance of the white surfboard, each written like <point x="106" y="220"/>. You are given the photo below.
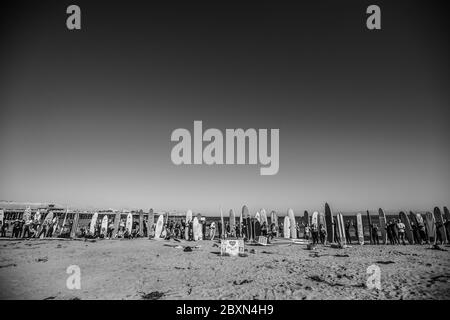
<point x="47" y="221"/>
<point x="105" y="225"/>
<point x="159" y="227"/>
<point x="2" y="216"/>
<point x="315" y="218"/>
<point x="263" y="215"/>
<point x="37" y="216"/>
<point x="195" y="227"/>
<point x="258" y="216"/>
<point x="188" y="220"/>
<point x="340" y="228"/>
<point x="129" y="223"/>
<point x="26" y="215"/>
<point x="93" y="223"/>
<point x="359" y="225"/>
<point x="232" y="219"/>
<point x="293" y="229"/>
<point x="287" y="228"/>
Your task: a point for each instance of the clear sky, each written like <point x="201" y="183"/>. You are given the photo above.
<point x="86" y="116"/>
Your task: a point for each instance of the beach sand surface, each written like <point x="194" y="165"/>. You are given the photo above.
<point x="151" y="269"/>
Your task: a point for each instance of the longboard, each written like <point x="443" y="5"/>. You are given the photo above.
<point x="359" y="225"/>
<point x="93" y="223"/>
<point x="447" y="217"/>
<point x="292" y="224"/>
<point x="104" y="229"/>
<point x="439" y="219"/>
<point x="431" y="226"/>
<point x="258" y="216"/>
<point x="340" y="228"/>
<point x="129" y="223"/>
<point x="159" y="226"/>
<point x="150" y="223"/>
<point x="241" y="221"/>
<point x="195" y="229"/>
<point x="232" y="223"/>
<point x="287" y="227"/>
<point x="141" y="223"/>
<point x="274" y="220"/>
<point x="329" y="223"/>
<point x="370" y="226"/>
<point x="383" y="224"/>
<point x="2" y="216"/>
<point x="116" y="224"/>
<point x="315" y="218"/>
<point x="408" y="231"/>
<point x="188" y="221"/>
<point x="199" y="227"/>
<point x="263" y="214"/>
<point x="76" y="219"/>
<point x="47" y="221"/>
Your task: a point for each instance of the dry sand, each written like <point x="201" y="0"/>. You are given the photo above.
<point x="129" y="269"/>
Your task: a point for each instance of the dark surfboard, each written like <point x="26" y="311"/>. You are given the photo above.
<point x="329" y="222"/>
<point x="369" y="219"/>
<point x="73" y="231"/>
<point x="257" y="229"/>
<point x="408" y="231"/>
<point x="440" y="224"/>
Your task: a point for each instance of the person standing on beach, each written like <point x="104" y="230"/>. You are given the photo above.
<point x="307" y="234"/>
<point x="322" y="233"/>
<point x="375" y="234"/>
<point x="401" y="232"/>
<point x="315" y="233"/>
<point x="212" y="230"/>
<point x="347" y="231"/>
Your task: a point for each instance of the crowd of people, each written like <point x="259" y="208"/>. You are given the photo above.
<point x="179" y="229"/>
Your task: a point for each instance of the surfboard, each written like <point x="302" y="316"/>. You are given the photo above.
<point x="241" y="221"/>
<point x="93" y="223"/>
<point x="408" y="231"/>
<point x="383" y="225"/>
<point x="447" y="217"/>
<point x="287" y="228"/>
<point x="129" y="223"/>
<point x="116" y="224"/>
<point x="315" y="218"/>
<point x="306" y="217"/>
<point x="246" y="217"/>
<point x="369" y="219"/>
<point x="232" y="223"/>
<point x="104" y="228"/>
<point x="195" y="229"/>
<point x="263" y="215"/>
<point x="73" y="230"/>
<point x="257" y="228"/>
<point x="141" y="223"/>
<point x="159" y="227"/>
<point x="2" y="216"/>
<point x="340" y="228"/>
<point x="37" y="216"/>
<point x="188" y="221"/>
<point x="328" y="223"/>
<point x="258" y="216"/>
<point x="439" y="219"/>
<point x="150" y="223"/>
<point x="26" y="215"/>
<point x="359" y="225"/>
<point x="431" y="226"/>
<point x="292" y="224"/>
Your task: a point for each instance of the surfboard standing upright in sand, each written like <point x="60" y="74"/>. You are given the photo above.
<point x="48" y="219"/>
<point x="104" y="229"/>
<point x="150" y="223"/>
<point x="116" y="224"/>
<point x="258" y="216"/>
<point x="408" y="231"/>
<point x="315" y="218"/>
<point x="383" y="225"/>
<point x="431" y="226"/>
<point x="129" y="223"/>
<point x="199" y="227"/>
<point x="263" y="215"/>
<point x="2" y="216"/>
<point x="340" y="228"/>
<point x="447" y="218"/>
<point x="93" y="223"/>
<point x="76" y="219"/>
<point x="195" y="229"/>
<point x="141" y="223"/>
<point x="188" y="221"/>
<point x="287" y="228"/>
<point x="232" y="223"/>
<point x="359" y="225"/>
<point x="293" y="226"/>
<point x="241" y="221"/>
<point x="369" y="219"/>
<point x="440" y="228"/>
<point x="329" y="223"/>
<point x="159" y="227"/>
<point x="222" y="225"/>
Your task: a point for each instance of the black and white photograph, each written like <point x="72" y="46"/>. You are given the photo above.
<point x="224" y="150"/>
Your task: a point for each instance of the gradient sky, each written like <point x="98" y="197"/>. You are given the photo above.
<point x="86" y="116"/>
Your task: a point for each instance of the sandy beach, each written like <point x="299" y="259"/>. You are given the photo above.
<point x="151" y="269"/>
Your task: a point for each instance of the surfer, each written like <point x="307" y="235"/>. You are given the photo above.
<point x="264" y="229"/>
<point x="212" y="230"/>
<point x="415" y="232"/>
<point x="315" y="233"/>
<point x="322" y="233"/>
<point x="307" y="234"/>
<point x="348" y="224"/>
